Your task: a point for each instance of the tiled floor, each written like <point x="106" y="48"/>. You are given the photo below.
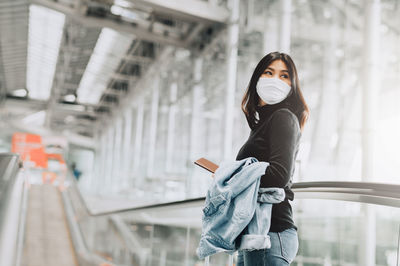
<point x="47" y="239"/>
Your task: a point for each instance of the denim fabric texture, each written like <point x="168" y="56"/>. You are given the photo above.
<point x="237" y="213"/>
<point x="284" y="247"/>
<point x="255" y="235"/>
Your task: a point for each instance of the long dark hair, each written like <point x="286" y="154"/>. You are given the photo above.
<point x="294" y="102"/>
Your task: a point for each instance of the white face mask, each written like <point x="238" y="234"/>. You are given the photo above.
<point x="272" y="90"/>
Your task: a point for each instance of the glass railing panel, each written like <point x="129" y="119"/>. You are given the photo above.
<point x="13" y="198"/>
<point x="220" y="259"/>
<point x="194" y="236"/>
<point x="168" y="246"/>
<point x="8" y="170"/>
<point x="331" y="232"/>
<point x="346" y="233"/>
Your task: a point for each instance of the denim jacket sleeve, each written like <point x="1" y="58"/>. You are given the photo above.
<point x="230" y="204"/>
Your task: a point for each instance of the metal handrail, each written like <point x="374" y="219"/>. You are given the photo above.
<point x="363" y="192"/>
<point x="373" y="193"/>
<point x="13" y="199"/>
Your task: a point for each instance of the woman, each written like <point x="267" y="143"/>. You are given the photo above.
<point x="276" y="113"/>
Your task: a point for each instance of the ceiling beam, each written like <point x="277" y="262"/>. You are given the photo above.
<point x="120" y="26"/>
<point x="25" y="103"/>
<point x="139" y="59"/>
<point x="193" y="10"/>
<point x="357" y="20"/>
<point x="72" y="137"/>
<point x="133" y="94"/>
<point x="114" y="92"/>
<point x="72" y="109"/>
<point x="12" y="3"/>
<point x="193" y="33"/>
<point x="116" y="76"/>
<point x="123" y="77"/>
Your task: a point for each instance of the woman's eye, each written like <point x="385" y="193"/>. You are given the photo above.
<point x="285" y="76"/>
<point x="268" y="73"/>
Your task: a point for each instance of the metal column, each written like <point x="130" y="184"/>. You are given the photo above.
<point x="196" y="137"/>
<point x="96" y="170"/>
<point x="110" y="158"/>
<point x="285" y="25"/>
<point x="153" y="127"/>
<point x="270" y="42"/>
<point x="232" y="54"/>
<point x="138" y="143"/>
<point x="101" y="183"/>
<point x="371" y="77"/>
<point x="325" y="130"/>
<point x="171" y="127"/>
<point x="126" y="157"/>
<point x="116" y="176"/>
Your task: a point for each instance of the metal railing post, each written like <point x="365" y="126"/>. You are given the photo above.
<point x="230" y="260"/>
<point x="207" y="261"/>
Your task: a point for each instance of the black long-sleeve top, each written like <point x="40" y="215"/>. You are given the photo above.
<point x="276" y="140"/>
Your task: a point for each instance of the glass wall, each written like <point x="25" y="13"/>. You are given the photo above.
<point x="336" y="233"/>
<point x="330" y="233"/>
<point x="349" y="73"/>
<point x="81" y="162"/>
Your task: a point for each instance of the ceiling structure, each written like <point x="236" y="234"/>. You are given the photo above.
<point x="64" y="64"/>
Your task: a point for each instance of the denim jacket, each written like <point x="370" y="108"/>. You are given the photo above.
<point x="237" y="213"/>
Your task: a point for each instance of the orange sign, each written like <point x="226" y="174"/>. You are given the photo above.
<point x="30" y="148"/>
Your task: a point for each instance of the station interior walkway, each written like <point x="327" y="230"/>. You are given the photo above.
<point x="133" y="91"/>
<point x="45" y="224"/>
<point x="47" y="238"/>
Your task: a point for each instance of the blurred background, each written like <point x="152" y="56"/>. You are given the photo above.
<point x="130" y="92"/>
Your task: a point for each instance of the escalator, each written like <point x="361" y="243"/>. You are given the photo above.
<point x="47" y="238"/>
<point x="340" y="223"/>
<point x="36" y="229"/>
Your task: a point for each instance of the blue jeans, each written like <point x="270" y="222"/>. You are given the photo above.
<point x="284" y="246"/>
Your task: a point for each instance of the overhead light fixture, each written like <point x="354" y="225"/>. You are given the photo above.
<point x="70" y="98"/>
<point x="110" y="48"/>
<point x="19" y="93"/>
<point x="45" y="34"/>
<point x="116" y="10"/>
<point x="124" y="13"/>
<point x="123" y="3"/>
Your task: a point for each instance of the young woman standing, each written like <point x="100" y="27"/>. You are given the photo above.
<point x="276" y="113"/>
